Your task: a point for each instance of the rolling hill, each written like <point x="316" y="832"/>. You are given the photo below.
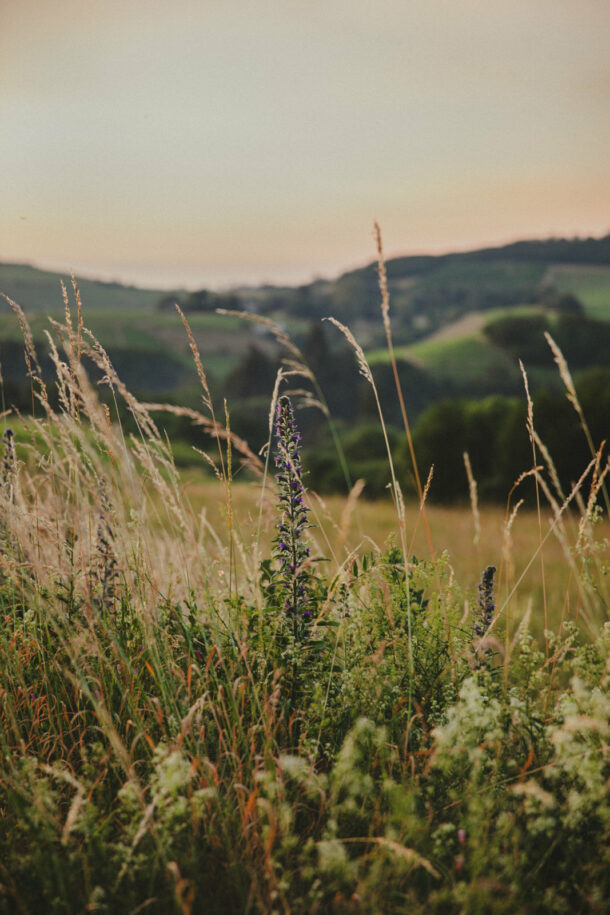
<point x="440" y="306"/>
<point x="461" y="322"/>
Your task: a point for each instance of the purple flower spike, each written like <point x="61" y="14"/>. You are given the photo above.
<point x="484" y="612"/>
<point x="290" y="548"/>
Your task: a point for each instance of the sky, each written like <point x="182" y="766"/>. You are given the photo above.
<point x="190" y="143"/>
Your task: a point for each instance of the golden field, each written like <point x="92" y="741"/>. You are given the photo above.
<point x="537" y="558"/>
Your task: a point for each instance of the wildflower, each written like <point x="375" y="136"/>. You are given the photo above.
<point x="486" y="603"/>
<point x="484" y="612"/>
<point x="290" y="547"/>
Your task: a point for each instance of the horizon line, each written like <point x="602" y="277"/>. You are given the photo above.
<point x="443" y="251"/>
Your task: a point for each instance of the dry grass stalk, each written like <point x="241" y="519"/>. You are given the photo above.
<point x="79" y="319"/>
<point x="273" y="405"/>
<point x="559" y="526"/>
<point x="532" y="436"/>
<point x="584" y="527"/>
<point x="506" y="574"/>
<point x="551" y="465"/>
<point x="383" y="284"/>
<point x="522" y="476"/>
<point x="68" y="316"/>
<point x="530" y="403"/>
<point x="75" y="339"/>
<point x="210" y="461"/>
<point x="385" y="311"/>
<point x="166" y="491"/>
<point x="580" y="502"/>
<point x="402" y="514"/>
<point x="214" y="428"/>
<point x="565" y="374"/>
<point x="144" y="421"/>
<point x="62" y="388"/>
<point x="474" y="502"/>
<point x="98" y="414"/>
<point x="413" y="858"/>
<point x="304" y="399"/>
<point x="575" y="488"/>
<point x="280" y="335"/>
<point x="422" y="514"/>
<point x="572" y="396"/>
<point x="296" y="368"/>
<point x="348" y="510"/>
<point x="507" y="543"/>
<point x="53" y="523"/>
<point x="365" y="371"/>
<point x="422" y="501"/>
<point x="29" y="349"/>
<point x="207" y="398"/>
<point x="363" y="366"/>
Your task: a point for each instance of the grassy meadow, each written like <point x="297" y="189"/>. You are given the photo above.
<point x="469" y="542"/>
<point x="229" y="695"/>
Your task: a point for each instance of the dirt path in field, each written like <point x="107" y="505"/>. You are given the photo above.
<point x="468" y="324"/>
<point x="474" y="321"/>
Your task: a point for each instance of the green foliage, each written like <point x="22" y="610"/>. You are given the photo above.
<point x="493" y="432"/>
<point x="171" y="741"/>
<point x="145" y="340"/>
<point x="365" y="451"/>
<point x="590" y="284"/>
<point x="583" y="341"/>
<point x="210" y="760"/>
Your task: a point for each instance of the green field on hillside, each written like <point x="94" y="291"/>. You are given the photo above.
<point x="590" y="284"/>
<point x="460" y="353"/>
<point x="468" y="327"/>
<point x="222" y="341"/>
<point x="40" y="290"/>
<point x="463" y="360"/>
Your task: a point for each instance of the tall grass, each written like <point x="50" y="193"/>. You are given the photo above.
<point x="173" y="741"/>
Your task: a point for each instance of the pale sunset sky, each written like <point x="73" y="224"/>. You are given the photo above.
<point x="216" y="142"/>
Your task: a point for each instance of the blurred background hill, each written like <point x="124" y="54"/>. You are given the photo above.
<point x="461" y="323"/>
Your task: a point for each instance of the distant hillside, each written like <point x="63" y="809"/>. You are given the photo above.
<point x="40" y="290"/>
<point x="428" y="292"/>
<point x="453" y="295"/>
<point x="461" y="323"/>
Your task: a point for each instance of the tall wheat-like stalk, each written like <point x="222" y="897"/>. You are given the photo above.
<point x="532" y="437"/>
<point x="365" y="371"/>
<point x="297" y="366"/>
<point x="572" y="396"/>
<point x="387" y="326"/>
